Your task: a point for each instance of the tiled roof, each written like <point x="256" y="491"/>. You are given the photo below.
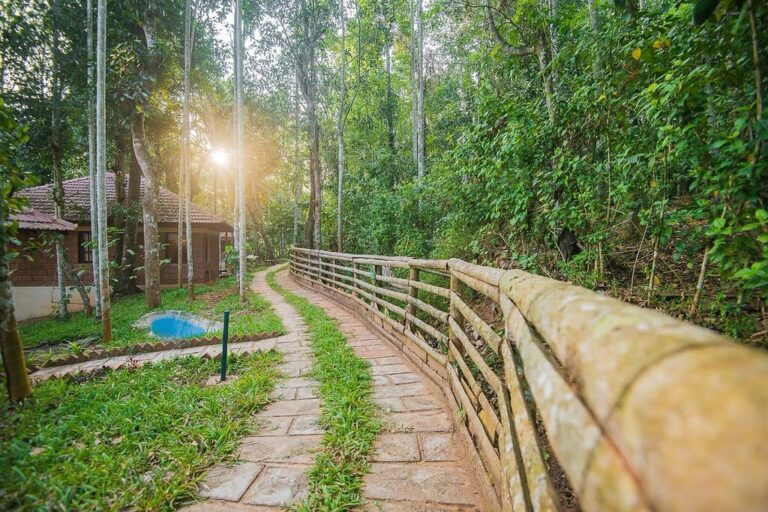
<point x="32" y="219"/>
<point x="77" y="203"/>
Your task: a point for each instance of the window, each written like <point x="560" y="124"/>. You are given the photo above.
<point x="172" y="248"/>
<point x="84" y="252"/>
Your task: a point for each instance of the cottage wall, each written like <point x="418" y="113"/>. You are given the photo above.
<point x="34" y="278"/>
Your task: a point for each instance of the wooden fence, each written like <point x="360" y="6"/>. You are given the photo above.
<point x="572" y="400"/>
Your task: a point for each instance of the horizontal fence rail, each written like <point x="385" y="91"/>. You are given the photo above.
<point x="572" y="400"/>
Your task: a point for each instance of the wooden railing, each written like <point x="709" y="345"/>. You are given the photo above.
<point x="572" y="400"/>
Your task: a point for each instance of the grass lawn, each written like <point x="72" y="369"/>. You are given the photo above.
<point x="137" y="438"/>
<point x="211" y="301"/>
<point x="349" y="412"/>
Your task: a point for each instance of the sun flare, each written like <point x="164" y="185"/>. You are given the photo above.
<point x="220" y="157"/>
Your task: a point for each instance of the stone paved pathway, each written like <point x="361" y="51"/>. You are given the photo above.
<point x="419" y="465"/>
<point x="420" y="462"/>
<point x="271" y="467"/>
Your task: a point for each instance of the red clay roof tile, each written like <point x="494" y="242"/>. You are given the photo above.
<point x="77" y="203"/>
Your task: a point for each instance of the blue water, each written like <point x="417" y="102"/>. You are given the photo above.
<point x="172" y="326"/>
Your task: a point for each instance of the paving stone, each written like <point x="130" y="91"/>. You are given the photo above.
<point x="422" y="403"/>
<point x="439" y="447"/>
<point x="396" y="448"/>
<point x="230" y="482"/>
<point x="293" y="408"/>
<point x="429" y="421"/>
<point x="384" y="361"/>
<point x="405" y="378"/>
<point x="298" y="382"/>
<point x="390" y="404"/>
<point x="226" y="506"/>
<point x="276" y="426"/>
<point x="403" y="390"/>
<point x="308" y="392"/>
<point x="283" y="449"/>
<point x="390" y="369"/>
<point x="305" y="425"/>
<point x="409" y="506"/>
<point x="284" y="393"/>
<point x="278" y="486"/>
<point x="443" y="484"/>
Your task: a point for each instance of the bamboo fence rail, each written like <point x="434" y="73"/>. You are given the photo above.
<point x="572" y="400"/>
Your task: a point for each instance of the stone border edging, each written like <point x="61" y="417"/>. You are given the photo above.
<point x="141" y="348"/>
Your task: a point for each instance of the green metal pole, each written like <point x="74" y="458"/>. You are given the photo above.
<point x="224" y="340"/>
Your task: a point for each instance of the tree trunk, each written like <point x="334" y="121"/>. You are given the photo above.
<point x="391" y="101"/>
<point x="239" y="148"/>
<point x="101" y="166"/>
<point x="126" y="277"/>
<point x="78" y="284"/>
<point x="92" y="160"/>
<point x="16" y="378"/>
<point x="180" y="232"/>
<point x="124" y="150"/>
<point x="420" y="112"/>
<point x="58" y="192"/>
<point x="149" y="206"/>
<point x="297" y="172"/>
<point x="414" y="86"/>
<point x="340" y="127"/>
<point x="185" y="150"/>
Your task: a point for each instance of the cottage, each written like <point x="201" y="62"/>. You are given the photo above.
<point x="34" y="275"/>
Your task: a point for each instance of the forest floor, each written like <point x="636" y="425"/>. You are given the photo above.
<point x="48" y="337"/>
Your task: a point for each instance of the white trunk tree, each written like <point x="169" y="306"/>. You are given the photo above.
<point x="92" y="160"/>
<point x="421" y="165"/>
<point x="185" y="149"/>
<point x="340" y="126"/>
<point x="240" y="195"/>
<point x="58" y="192"/>
<point x="101" y="165"/>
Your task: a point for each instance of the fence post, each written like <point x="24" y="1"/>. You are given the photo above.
<point x="453" y="312"/>
<point x="224" y="339"/>
<point x="413" y="275"/>
<point x="355" y="277"/>
<point x="375" y="282"/>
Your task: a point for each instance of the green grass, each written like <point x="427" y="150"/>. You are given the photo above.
<point x="349" y="413"/>
<point x="128" y="439"/>
<point x="211" y="300"/>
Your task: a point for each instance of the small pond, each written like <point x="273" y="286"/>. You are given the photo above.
<point x="174" y="326"/>
<point x="177" y="324"/>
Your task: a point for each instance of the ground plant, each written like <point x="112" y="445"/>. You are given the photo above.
<point x="135" y="438"/>
<point x="348" y="411"/>
<point x="61" y="336"/>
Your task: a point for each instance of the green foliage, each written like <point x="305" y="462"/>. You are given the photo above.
<point x="349" y="413"/>
<point x="255" y="317"/>
<point x="136" y="439"/>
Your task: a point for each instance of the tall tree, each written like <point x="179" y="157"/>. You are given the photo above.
<point x="420" y="136"/>
<point x="58" y="188"/>
<point x="239" y="156"/>
<point x="297" y="163"/>
<point x="185" y="150"/>
<point x="340" y="127"/>
<point x="148" y="169"/>
<point x="101" y="166"/>
<point x="91" y="112"/>
<point x="11" y="179"/>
